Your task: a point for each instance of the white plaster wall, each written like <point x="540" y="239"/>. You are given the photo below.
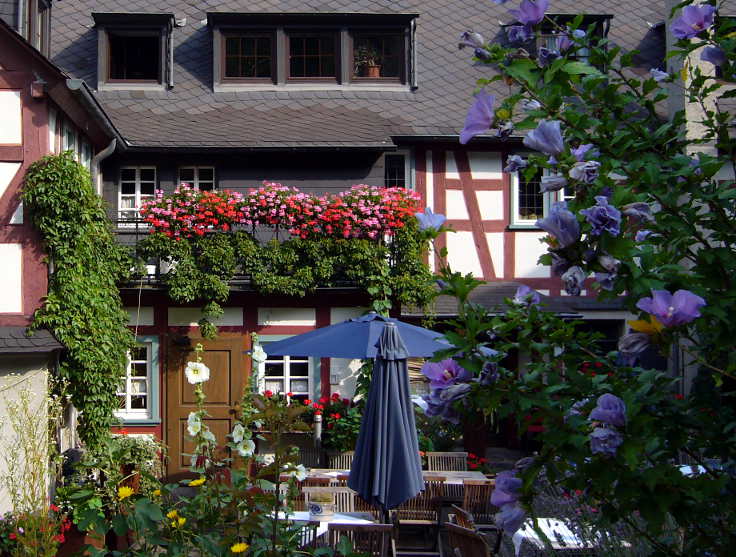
<point x="11" y="278"/>
<point x="491" y="204"/>
<point x="142" y="316"/>
<point x="18" y="373"/>
<point x="11" y="119"/>
<point x="455" y="205"/>
<point x="188" y="317"/>
<point x="527" y="249"/>
<point x="451" y="172"/>
<point x="495" y="242"/>
<point x="339" y="314"/>
<point x="462" y="254"/>
<point x="430" y="201"/>
<point x="287" y="316"/>
<point x="485" y="166"/>
<point x="8" y="170"/>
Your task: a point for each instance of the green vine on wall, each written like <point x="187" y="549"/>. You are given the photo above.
<point x="392" y="273"/>
<point x="83" y="308"/>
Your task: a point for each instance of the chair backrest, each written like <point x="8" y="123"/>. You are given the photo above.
<point x="463" y="518"/>
<point x="427" y="504"/>
<point x="343" y="496"/>
<point x="448" y="462"/>
<point x="340" y="461"/>
<point x="371" y="539"/>
<point x="467" y="542"/>
<point x="477" y="499"/>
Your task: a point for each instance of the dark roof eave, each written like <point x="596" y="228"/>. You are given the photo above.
<point x="132" y="18"/>
<point x="259" y="148"/>
<point x="240" y="18"/>
<point x="454" y="138"/>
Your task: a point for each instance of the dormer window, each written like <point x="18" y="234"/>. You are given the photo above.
<point x="134" y="50"/>
<point x="312" y="55"/>
<point x="551" y="31"/>
<point x="248" y="56"/>
<point x="379" y="55"/>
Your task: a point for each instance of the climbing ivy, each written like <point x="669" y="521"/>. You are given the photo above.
<point x="200" y="267"/>
<point x="83" y="308"/>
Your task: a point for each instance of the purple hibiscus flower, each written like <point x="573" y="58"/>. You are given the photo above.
<point x="658" y="75"/>
<point x="480" y="116"/>
<point x="580" y="151"/>
<point x="471" y="39"/>
<point x="672" y="309"/>
<point x="562" y="224"/>
<point x="603" y="217"/>
<point x="506" y="490"/>
<point x="714" y="55"/>
<point x="693" y="20"/>
<point x="553" y="182"/>
<point x="642" y="235"/>
<point x="530" y="12"/>
<point x="519" y="33"/>
<point x="510" y="518"/>
<point x="563" y="42"/>
<point x="576" y="409"/>
<point x="428" y="220"/>
<point x="546" y="138"/>
<point x="445" y="373"/>
<point x="605" y="441"/>
<point x="547" y="56"/>
<point x="585" y="171"/>
<point x="526" y="296"/>
<point x="504" y="130"/>
<point x="610" y="410"/>
<point x="605" y="280"/>
<point x="638" y="212"/>
<point x="631" y="345"/>
<point x="530" y="104"/>
<point x="559" y="265"/>
<point x="438" y="407"/>
<point x="515" y="163"/>
<point x="574" y="278"/>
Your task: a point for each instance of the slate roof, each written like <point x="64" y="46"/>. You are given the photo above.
<point x="17" y="340"/>
<point x="191" y="114"/>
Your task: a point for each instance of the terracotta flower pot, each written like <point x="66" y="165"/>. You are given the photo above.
<point x="373" y="71"/>
<point x="132" y="478"/>
<point x="76" y="540"/>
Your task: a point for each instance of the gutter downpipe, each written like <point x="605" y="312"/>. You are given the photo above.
<point x="79" y="87"/>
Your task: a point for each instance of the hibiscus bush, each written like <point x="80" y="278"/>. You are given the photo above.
<point x="649" y="221"/>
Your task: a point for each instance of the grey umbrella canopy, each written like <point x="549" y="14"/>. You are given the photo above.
<point x="386" y="468"/>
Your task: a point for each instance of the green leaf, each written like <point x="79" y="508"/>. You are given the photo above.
<point x="576" y="68"/>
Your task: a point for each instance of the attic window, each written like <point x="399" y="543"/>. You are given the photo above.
<point x="134" y="56"/>
<point x="551" y="31"/>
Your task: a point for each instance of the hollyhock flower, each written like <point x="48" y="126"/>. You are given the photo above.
<point x="480" y="116"/>
<point x="672" y="310"/>
<point x="580" y="151"/>
<point x="429" y="220"/>
<point x="605" y="441"/>
<point x="246" y="448"/>
<point x="471" y="39"/>
<point x="714" y="55"/>
<point x="658" y="75"/>
<point x="638" y="212"/>
<point x="530" y="12"/>
<point x="546" y="138"/>
<point x="574" y="278"/>
<point x="238" y="433"/>
<point x="561" y="224"/>
<point x="297" y="471"/>
<point x="445" y="373"/>
<point x="510" y="518"/>
<point x="194" y="424"/>
<point x="546" y="56"/>
<point x="554" y="182"/>
<point x="526" y="296"/>
<point x="610" y="410"/>
<point x="586" y="171"/>
<point x="603" y="217"/>
<point x="694" y="19"/>
<point x="196" y="372"/>
<point x="530" y="104"/>
<point x="519" y="33"/>
<point x="515" y="163"/>
<point x="259" y="354"/>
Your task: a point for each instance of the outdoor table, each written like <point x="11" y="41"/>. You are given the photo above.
<point x="562" y="539"/>
<point x="451" y="477"/>
<point x="337" y="518"/>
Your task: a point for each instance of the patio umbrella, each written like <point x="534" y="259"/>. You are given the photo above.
<point x="386" y="468"/>
<point x="357" y="338"/>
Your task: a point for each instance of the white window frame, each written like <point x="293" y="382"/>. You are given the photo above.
<point x="69" y="129"/>
<point x="408" y="167"/>
<point x="129" y="413"/>
<point x="548" y="199"/>
<point x="85" y="154"/>
<point x="53" y="115"/>
<point x="197" y="181"/>
<point x="137" y="196"/>
<point x="286" y="377"/>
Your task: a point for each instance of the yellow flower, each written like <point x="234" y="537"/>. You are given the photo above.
<point x="239" y="547"/>
<point x="124" y="491"/>
<point x="181" y="521"/>
<point x="503" y="114"/>
<point x="172" y="514"/>
<point x="649" y="326"/>
<point x="197" y="482"/>
<point x="173" y="524"/>
<point x="157" y="493"/>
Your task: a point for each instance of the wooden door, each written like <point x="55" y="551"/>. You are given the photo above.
<point x="229" y="370"/>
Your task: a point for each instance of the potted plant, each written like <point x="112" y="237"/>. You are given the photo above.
<point x="367" y="61"/>
<point x="321" y="505"/>
<point x="341" y="426"/>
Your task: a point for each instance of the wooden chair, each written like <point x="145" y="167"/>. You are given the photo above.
<point x="344" y="496"/>
<point x="447" y="462"/>
<point x="477" y="500"/>
<point x="299" y="501"/>
<point x="340" y="461"/>
<point x="461" y="517"/>
<point x="466" y="542"/>
<point x="373" y="540"/>
<point x="361" y="505"/>
<point x="491" y="533"/>
<point x="424" y="509"/>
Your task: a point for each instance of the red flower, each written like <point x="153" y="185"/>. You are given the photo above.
<point x="318" y="412"/>
<point x="329" y="426"/>
<point x="290" y="394"/>
<point x="324" y="400"/>
<point x="12" y="535"/>
<point x="59" y="538"/>
<point x="338" y="416"/>
<point x="268" y="394"/>
<point x="678" y="396"/>
<point x="307" y="401"/>
<point x="346" y="401"/>
<point x="598" y="365"/>
<point x="335" y="396"/>
<point x="473" y="465"/>
<point x="123" y="432"/>
<point x="54" y="508"/>
<point x="472" y="455"/>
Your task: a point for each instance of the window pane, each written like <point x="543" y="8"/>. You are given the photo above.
<point x="274" y="369"/>
<point x="395" y="171"/>
<point x="299" y="386"/>
<point x="297" y="46"/>
<point x="250" y="57"/>
<point x="206" y="174"/>
<point x="127" y="203"/>
<point x="232" y="67"/>
<point x="127" y="174"/>
<point x="379" y="55"/>
<point x="312" y="56"/>
<point x="263" y="67"/>
<point x="139" y="353"/>
<point x="148" y="174"/>
<point x="232" y="46"/>
<point x="186" y="175"/>
<point x="139" y="402"/>
<point x="138" y="387"/>
<point x="300" y="369"/>
<point x="264" y="46"/>
<point x="277" y="386"/>
<point x="127" y="188"/>
<point x="134" y="58"/>
<point x="122" y="400"/>
<point x="531" y="200"/>
<point x="139" y="369"/>
<point x="147" y="188"/>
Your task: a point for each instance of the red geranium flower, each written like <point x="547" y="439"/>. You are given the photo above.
<point x="54" y="508"/>
<point x="346" y="401"/>
<point x="268" y="394"/>
<point x="290" y="394"/>
<point x="473" y="465"/>
<point x="59" y="538"/>
<point x="12" y="535"/>
<point x="307" y="401"/>
<point x="335" y="396"/>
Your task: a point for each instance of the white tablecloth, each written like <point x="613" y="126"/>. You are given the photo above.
<point x="559" y="535"/>
<point x="337" y="518"/>
<point x="451" y="477"/>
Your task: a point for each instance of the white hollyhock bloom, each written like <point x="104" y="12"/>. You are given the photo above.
<point x="209" y="436"/>
<point x="246" y="448"/>
<point x="259" y="354"/>
<point x="238" y="433"/>
<point x="197" y="372"/>
<point x="194" y="424"/>
<point x="298" y="471"/>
